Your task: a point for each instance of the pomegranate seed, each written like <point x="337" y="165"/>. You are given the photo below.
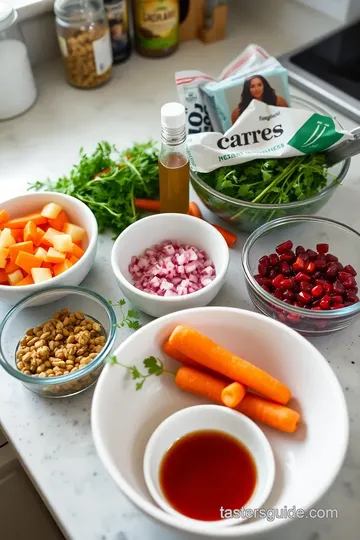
<point x="257" y="277"/>
<point x="264" y="260"/>
<point x="305" y="286"/>
<point x="322" y="248"/>
<point x="338" y="265"/>
<point x="325" y="302"/>
<point x="331" y="258"/>
<point x="338" y="287"/>
<point x="293" y="317"/>
<point x="304" y="297"/>
<point x="305" y="256"/>
<point x="273" y="259"/>
<point x="298" y="304"/>
<point x="317" y="275"/>
<point x="328" y="287"/>
<point x="285" y="268"/>
<point x="300" y="276"/>
<point x="331" y="271"/>
<point x="312" y="254"/>
<point x="350" y="270"/>
<point x="317" y="291"/>
<point x="349" y="283"/>
<point x="310" y="268"/>
<point x="348" y="304"/>
<point x="320" y="264"/>
<point x="285" y="246"/>
<point x="337" y="299"/>
<point x="273" y="273"/>
<point x="278" y="294"/>
<point x="316" y="303"/>
<point x="288" y="283"/>
<point x="321" y="282"/>
<point x="337" y="306"/>
<point x="350" y="295"/>
<point x="265" y="281"/>
<point x="288" y="295"/>
<point x="288" y="256"/>
<point x="276" y="282"/>
<point x="316" y="308"/>
<point x="288" y="301"/>
<point x="299" y="265"/>
<point x="262" y="270"/>
<point x="265" y="288"/>
<point x="343" y="276"/>
<point x="299" y="250"/>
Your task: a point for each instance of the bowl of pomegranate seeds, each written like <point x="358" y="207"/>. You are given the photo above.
<point x="302" y="271"/>
<point x="169" y="262"/>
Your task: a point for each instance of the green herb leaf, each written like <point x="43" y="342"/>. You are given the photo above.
<point x="152" y="364"/>
<point x="129" y="318"/>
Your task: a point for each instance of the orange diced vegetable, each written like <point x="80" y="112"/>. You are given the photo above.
<point x="48" y="265"/>
<point x="4" y="216"/>
<point x="73" y="259"/>
<point x="4" y="253"/>
<point x="18" y="234"/>
<point x="3" y="276"/>
<point x="48" y="236"/>
<point x="27" y="261"/>
<point x="40" y="275"/>
<point x="39" y="235"/>
<point x="62" y="267"/>
<point x="206" y="352"/>
<point x="21" y="246"/>
<point x="20" y="222"/>
<point x="54" y="256"/>
<point x="51" y="210"/>
<point x="77" y="233"/>
<point x="59" y="222"/>
<point x="15" y="277"/>
<point x="11" y="267"/>
<point x="30" y="232"/>
<point x="62" y="243"/>
<point x="6" y="238"/>
<point x="77" y="251"/>
<point x="41" y="253"/>
<point x="233" y="394"/>
<point x="28" y="280"/>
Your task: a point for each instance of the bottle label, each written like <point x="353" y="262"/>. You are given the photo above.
<point x="157" y="23"/>
<point x="102" y="53"/>
<point x="118" y="18"/>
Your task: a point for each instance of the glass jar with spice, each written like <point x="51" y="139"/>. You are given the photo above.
<point x="84" y="40"/>
<point x="156" y="27"/>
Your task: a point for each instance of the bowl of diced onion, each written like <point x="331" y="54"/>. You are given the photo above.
<point x="170" y="262"/>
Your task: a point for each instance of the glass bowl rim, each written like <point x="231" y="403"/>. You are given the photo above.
<point x="263" y="229"/>
<point x="50" y="381"/>
<point x="297" y="204"/>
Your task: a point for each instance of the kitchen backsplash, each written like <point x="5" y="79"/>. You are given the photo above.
<point x="40" y="36"/>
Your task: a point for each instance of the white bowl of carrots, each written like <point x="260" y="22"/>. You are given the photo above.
<point x="257" y="366"/>
<point x="45" y="239"/>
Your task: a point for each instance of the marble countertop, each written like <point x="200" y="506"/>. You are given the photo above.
<point x="53" y="437"/>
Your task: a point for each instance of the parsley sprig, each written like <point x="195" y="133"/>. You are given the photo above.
<point x="130" y="318"/>
<point x="152" y="365"/>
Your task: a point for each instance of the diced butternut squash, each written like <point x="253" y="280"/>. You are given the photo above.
<point x="11" y="267"/>
<point x="39" y="236"/>
<point x="62" y="267"/>
<point x="73" y="259"/>
<point x="21" y="246"/>
<point x="47" y="239"/>
<point x="18" y="234"/>
<point x="62" y="243"/>
<point x="54" y="256"/>
<point x="48" y="265"/>
<point x="77" y="233"/>
<point x="4" y="253"/>
<point x="40" y="275"/>
<point x="30" y="232"/>
<point x="28" y="280"/>
<point x="4" y="216"/>
<point x="41" y="253"/>
<point x="77" y="251"/>
<point x="59" y="222"/>
<point x="51" y="210"/>
<point x="15" y="277"/>
<point x="6" y="238"/>
<point x="20" y="222"/>
<point x="3" y="276"/>
<point x="27" y="261"/>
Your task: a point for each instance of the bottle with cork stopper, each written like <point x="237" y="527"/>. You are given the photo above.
<point x="173" y="160"/>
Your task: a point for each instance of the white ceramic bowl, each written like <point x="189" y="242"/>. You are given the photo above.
<point x="79" y="214"/>
<point x="210" y="417"/>
<point x="152" y="230"/>
<point x="307" y="461"/>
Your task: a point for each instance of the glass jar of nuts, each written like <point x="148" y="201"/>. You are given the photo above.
<point x="84" y="40"/>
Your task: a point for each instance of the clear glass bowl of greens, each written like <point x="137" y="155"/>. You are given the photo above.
<point x="302" y="189"/>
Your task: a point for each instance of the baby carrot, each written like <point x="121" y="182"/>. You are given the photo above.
<point x="211" y="355"/>
<point x="170" y="350"/>
<point x="147" y="204"/>
<point x="229" y="237"/>
<point x="202" y="384"/>
<point x="4" y="216"/>
<point x="194" y="210"/>
<point x="233" y="394"/>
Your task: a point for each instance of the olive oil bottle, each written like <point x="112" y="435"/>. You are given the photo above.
<point x="173" y="160"/>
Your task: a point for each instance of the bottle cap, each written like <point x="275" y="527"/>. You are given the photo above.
<point x="173" y="115"/>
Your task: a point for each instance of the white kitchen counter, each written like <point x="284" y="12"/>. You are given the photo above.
<point x="53" y="437"/>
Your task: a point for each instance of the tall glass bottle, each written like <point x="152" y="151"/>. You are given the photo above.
<point x="173" y="160"/>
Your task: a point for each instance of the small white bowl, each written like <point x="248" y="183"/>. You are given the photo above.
<point x="79" y="214"/>
<point x="210" y="417"/>
<point x="152" y="230"/>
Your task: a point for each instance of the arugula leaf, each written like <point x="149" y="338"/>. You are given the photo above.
<point x="152" y="364"/>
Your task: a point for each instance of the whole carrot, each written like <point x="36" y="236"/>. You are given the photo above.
<point x="255" y="407"/>
<point x="211" y="355"/>
<point x="147" y="204"/>
<point x="229" y="237"/>
<point x="194" y="210"/>
<point x="180" y="357"/>
<point x="233" y="394"/>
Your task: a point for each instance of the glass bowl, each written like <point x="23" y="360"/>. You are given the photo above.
<point x="248" y="216"/>
<point x="306" y="231"/>
<point x="27" y="314"/>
